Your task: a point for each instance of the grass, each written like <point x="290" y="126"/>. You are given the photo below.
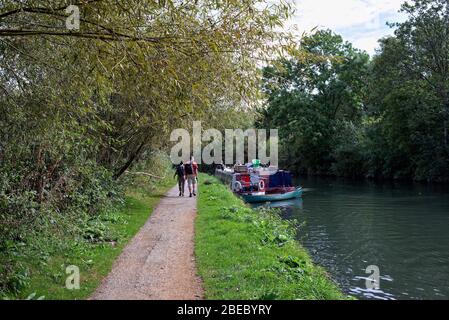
<point x="252" y="254"/>
<point x="46" y="271"/>
<point x="241" y="253"/>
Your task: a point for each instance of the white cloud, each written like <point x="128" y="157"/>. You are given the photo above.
<point x="359" y="21"/>
<point x="369" y="44"/>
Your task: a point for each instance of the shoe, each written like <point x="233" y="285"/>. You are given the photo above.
<point x="194" y="194"/>
<point x="190" y="196"/>
<point x="180" y="194"/>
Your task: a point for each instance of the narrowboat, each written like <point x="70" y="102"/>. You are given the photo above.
<point x="256" y="184"/>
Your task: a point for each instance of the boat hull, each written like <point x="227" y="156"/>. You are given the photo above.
<point x="273" y="197"/>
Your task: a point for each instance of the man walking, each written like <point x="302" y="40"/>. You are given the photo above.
<point x="180" y="173"/>
<point x="191" y="171"/>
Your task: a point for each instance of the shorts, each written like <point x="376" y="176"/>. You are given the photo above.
<point x="191" y="180"/>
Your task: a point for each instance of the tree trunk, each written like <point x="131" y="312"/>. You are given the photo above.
<point x="130" y="161"/>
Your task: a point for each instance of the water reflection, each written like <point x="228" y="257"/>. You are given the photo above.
<point x="286" y="204"/>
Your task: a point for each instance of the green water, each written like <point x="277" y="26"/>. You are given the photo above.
<point x="401" y="229"/>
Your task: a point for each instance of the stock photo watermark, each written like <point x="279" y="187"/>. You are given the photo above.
<point x="72" y="282"/>
<point x="233" y="144"/>
<point x="372" y="282"/>
<point x="73" y="20"/>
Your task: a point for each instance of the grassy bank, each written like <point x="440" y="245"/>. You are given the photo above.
<point x="252" y="254"/>
<point x="43" y="259"/>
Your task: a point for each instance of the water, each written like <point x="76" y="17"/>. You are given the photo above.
<point x="401" y="229"/>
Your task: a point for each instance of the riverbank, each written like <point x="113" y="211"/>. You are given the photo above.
<point x="43" y="260"/>
<point x="247" y="254"/>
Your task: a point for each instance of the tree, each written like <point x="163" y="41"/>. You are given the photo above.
<point x="408" y="97"/>
<point x="140" y="68"/>
<point x="424" y="38"/>
<point x="384" y="118"/>
<point x="78" y="108"/>
<point x="312" y="100"/>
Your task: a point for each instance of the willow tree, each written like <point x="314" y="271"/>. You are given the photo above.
<point x="80" y="106"/>
<point x="134" y="70"/>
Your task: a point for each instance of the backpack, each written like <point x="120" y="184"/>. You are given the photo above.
<point x="180" y="170"/>
<point x="189" y="168"/>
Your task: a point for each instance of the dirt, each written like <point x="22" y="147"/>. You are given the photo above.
<point x="159" y="262"/>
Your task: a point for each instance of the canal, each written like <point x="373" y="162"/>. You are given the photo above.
<point x="401" y="229"/>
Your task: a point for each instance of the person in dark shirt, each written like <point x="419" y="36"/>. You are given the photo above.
<point x="180" y="173"/>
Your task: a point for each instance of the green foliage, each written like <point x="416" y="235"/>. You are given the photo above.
<point x="409" y="96"/>
<point x="70" y="222"/>
<point x="387" y="118"/>
<point x="35" y="267"/>
<point x="86" y="114"/>
<point x="349" y="153"/>
<point x="252" y="254"/>
<point x="15" y="277"/>
<point x="79" y="108"/>
<point x="315" y="102"/>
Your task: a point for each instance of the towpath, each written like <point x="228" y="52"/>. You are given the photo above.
<point x="159" y="262"/>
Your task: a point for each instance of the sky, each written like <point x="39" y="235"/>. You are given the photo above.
<point x="361" y="22"/>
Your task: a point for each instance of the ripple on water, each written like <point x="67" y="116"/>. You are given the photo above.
<point x="404" y="230"/>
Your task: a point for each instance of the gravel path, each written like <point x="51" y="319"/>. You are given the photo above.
<point x="159" y="262"/>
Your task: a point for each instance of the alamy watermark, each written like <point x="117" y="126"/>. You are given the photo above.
<point x="226" y="150"/>
<point x="72" y="22"/>
<point x="72" y="282"/>
<point x="372" y="282"/>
